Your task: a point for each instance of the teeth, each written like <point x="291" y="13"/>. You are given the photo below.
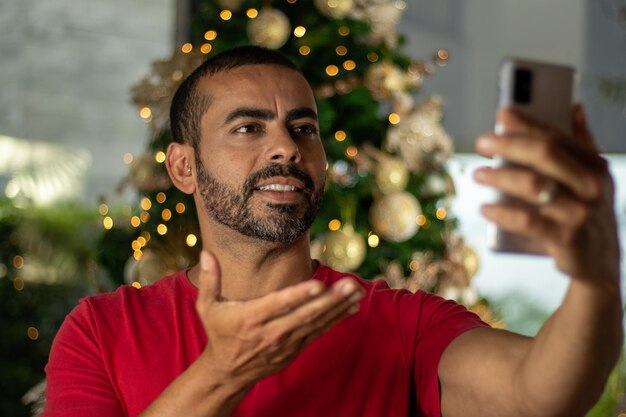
<point x="278" y="187"/>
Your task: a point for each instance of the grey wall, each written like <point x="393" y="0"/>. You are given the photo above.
<point x="65" y="71"/>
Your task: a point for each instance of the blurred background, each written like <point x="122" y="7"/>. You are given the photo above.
<point x="71" y="129"/>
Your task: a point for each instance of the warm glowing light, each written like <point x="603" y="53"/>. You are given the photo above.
<point x="145" y="113"/>
<point x="226" y="14"/>
<point x="349" y="65"/>
<point x="252" y="13"/>
<point x="103" y="209"/>
<point x="135" y="221"/>
<point x="442" y="54"/>
<point x="127" y="158"/>
<point x="166" y="214"/>
<point x="161" y="197"/>
<point x="372" y="57"/>
<point x="180" y="208"/>
<point x="206" y="48"/>
<point x="299" y="31"/>
<point x="332" y="70"/>
<point x="136" y="284"/>
<point x="135" y="245"/>
<point x="441" y="213"/>
<point x="186" y="48"/>
<point x="137" y="255"/>
<point x="144" y="217"/>
<point x="420" y="220"/>
<point x="107" y="222"/>
<point x="18" y="262"/>
<point x="344" y="30"/>
<point x="304" y="50"/>
<point x="177" y="75"/>
<point x="18" y="284"/>
<point x="334" y="225"/>
<point x="210" y="35"/>
<point x="394" y="118"/>
<point x="33" y="333"/>
<point x="291" y="1"/>
<point x="161" y="229"/>
<point x="352" y="152"/>
<point x="341" y="50"/>
<point x="142" y="241"/>
<point x="160" y="157"/>
<point x="373" y="240"/>
<point x="146" y="235"/>
<point x="340" y="136"/>
<point x="145" y="203"/>
<point x="413" y="265"/>
<point x="191" y="240"/>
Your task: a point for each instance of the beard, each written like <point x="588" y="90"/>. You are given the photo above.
<point x="284" y="223"/>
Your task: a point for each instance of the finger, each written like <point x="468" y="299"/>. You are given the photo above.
<point x="210" y="279"/>
<point x="582" y="134"/>
<point x="576" y="170"/>
<point x="522" y="220"/>
<point x="515" y="181"/>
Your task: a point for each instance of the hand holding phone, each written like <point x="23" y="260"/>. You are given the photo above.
<point x="542" y="93"/>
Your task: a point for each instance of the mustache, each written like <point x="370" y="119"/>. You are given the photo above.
<point x="278" y="170"/>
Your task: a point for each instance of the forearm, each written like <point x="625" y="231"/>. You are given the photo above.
<point x="568" y="363"/>
<point x="198" y="392"/>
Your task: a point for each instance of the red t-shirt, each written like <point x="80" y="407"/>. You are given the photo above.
<point x="115" y="353"/>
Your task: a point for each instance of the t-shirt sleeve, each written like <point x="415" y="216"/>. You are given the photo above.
<point x="78" y="383"/>
<point x="440" y="321"/>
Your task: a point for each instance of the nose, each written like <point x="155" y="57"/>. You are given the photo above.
<point x="283" y="148"/>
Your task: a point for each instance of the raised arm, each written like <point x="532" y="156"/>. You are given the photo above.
<point x="248" y="341"/>
<point x="562" y="371"/>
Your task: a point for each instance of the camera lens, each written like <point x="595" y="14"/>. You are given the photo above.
<point x="523" y="82"/>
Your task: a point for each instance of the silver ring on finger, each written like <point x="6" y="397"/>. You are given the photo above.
<point x="548" y="193"/>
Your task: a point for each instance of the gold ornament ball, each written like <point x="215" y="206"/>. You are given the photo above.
<point x="344" y="250"/>
<point x="394" y="216"/>
<point x="270" y="29"/>
<point x="336" y="9"/>
<point x="391" y="174"/>
<point x="471" y="261"/>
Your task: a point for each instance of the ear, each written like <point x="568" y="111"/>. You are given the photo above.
<point x="180" y="166"/>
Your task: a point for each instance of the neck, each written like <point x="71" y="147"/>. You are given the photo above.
<point x="252" y="268"/>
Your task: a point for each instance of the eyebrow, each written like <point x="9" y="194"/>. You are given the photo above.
<point x="262" y="114"/>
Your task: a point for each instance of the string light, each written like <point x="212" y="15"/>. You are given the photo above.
<point x="394" y="118"/>
<point x="18" y="284"/>
<point x="135" y="221"/>
<point x="252" y="13"/>
<point x="161" y="229"/>
<point x="441" y="213"/>
<point x="107" y="222"/>
<point x="334" y="225"/>
<point x="160" y="157"/>
<point x="352" y="151"/>
<point x="144" y="217"/>
<point x="226" y="14"/>
<point x="340" y="136"/>
<point x="146" y="235"/>
<point x="291" y="1"/>
<point x="161" y="197"/>
<point x="186" y="48"/>
<point x="103" y="209"/>
<point x="341" y="50"/>
<point x="206" y="48"/>
<point x="210" y="35"/>
<point x="299" y="31"/>
<point x="145" y="113"/>
<point x="420" y="220"/>
<point x="166" y="214"/>
<point x="372" y="57"/>
<point x="373" y="240"/>
<point x="145" y="203"/>
<point x="127" y="158"/>
<point x="191" y="240"/>
<point x="344" y="30"/>
<point x="304" y="50"/>
<point x="135" y="245"/>
<point x="349" y="65"/>
<point x="137" y="255"/>
<point x="33" y="333"/>
<point x="413" y="265"/>
<point x="136" y="284"/>
<point x="142" y="241"/>
<point x="180" y="208"/>
<point x="18" y="262"/>
<point x="332" y="70"/>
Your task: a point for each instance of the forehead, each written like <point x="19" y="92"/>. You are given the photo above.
<point x="267" y="86"/>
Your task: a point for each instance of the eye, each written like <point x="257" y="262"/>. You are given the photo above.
<point x="248" y="128"/>
<point x="306" y="129"/>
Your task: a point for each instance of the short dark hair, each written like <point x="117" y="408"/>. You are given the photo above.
<point x="189" y="104"/>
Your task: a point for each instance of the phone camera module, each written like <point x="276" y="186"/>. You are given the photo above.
<point x="523" y="83"/>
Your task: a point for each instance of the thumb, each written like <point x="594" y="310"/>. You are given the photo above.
<point x="210" y="278"/>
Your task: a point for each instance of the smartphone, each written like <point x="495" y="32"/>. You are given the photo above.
<point x="543" y="92"/>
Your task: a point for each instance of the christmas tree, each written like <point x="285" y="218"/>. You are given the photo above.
<point x="385" y="210"/>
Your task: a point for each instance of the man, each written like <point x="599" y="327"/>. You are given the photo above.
<point x="258" y="328"/>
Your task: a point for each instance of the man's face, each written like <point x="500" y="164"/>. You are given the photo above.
<point x="261" y="164"/>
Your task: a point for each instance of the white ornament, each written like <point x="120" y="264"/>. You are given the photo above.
<point x="394" y="216"/>
<point x="336" y="9"/>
